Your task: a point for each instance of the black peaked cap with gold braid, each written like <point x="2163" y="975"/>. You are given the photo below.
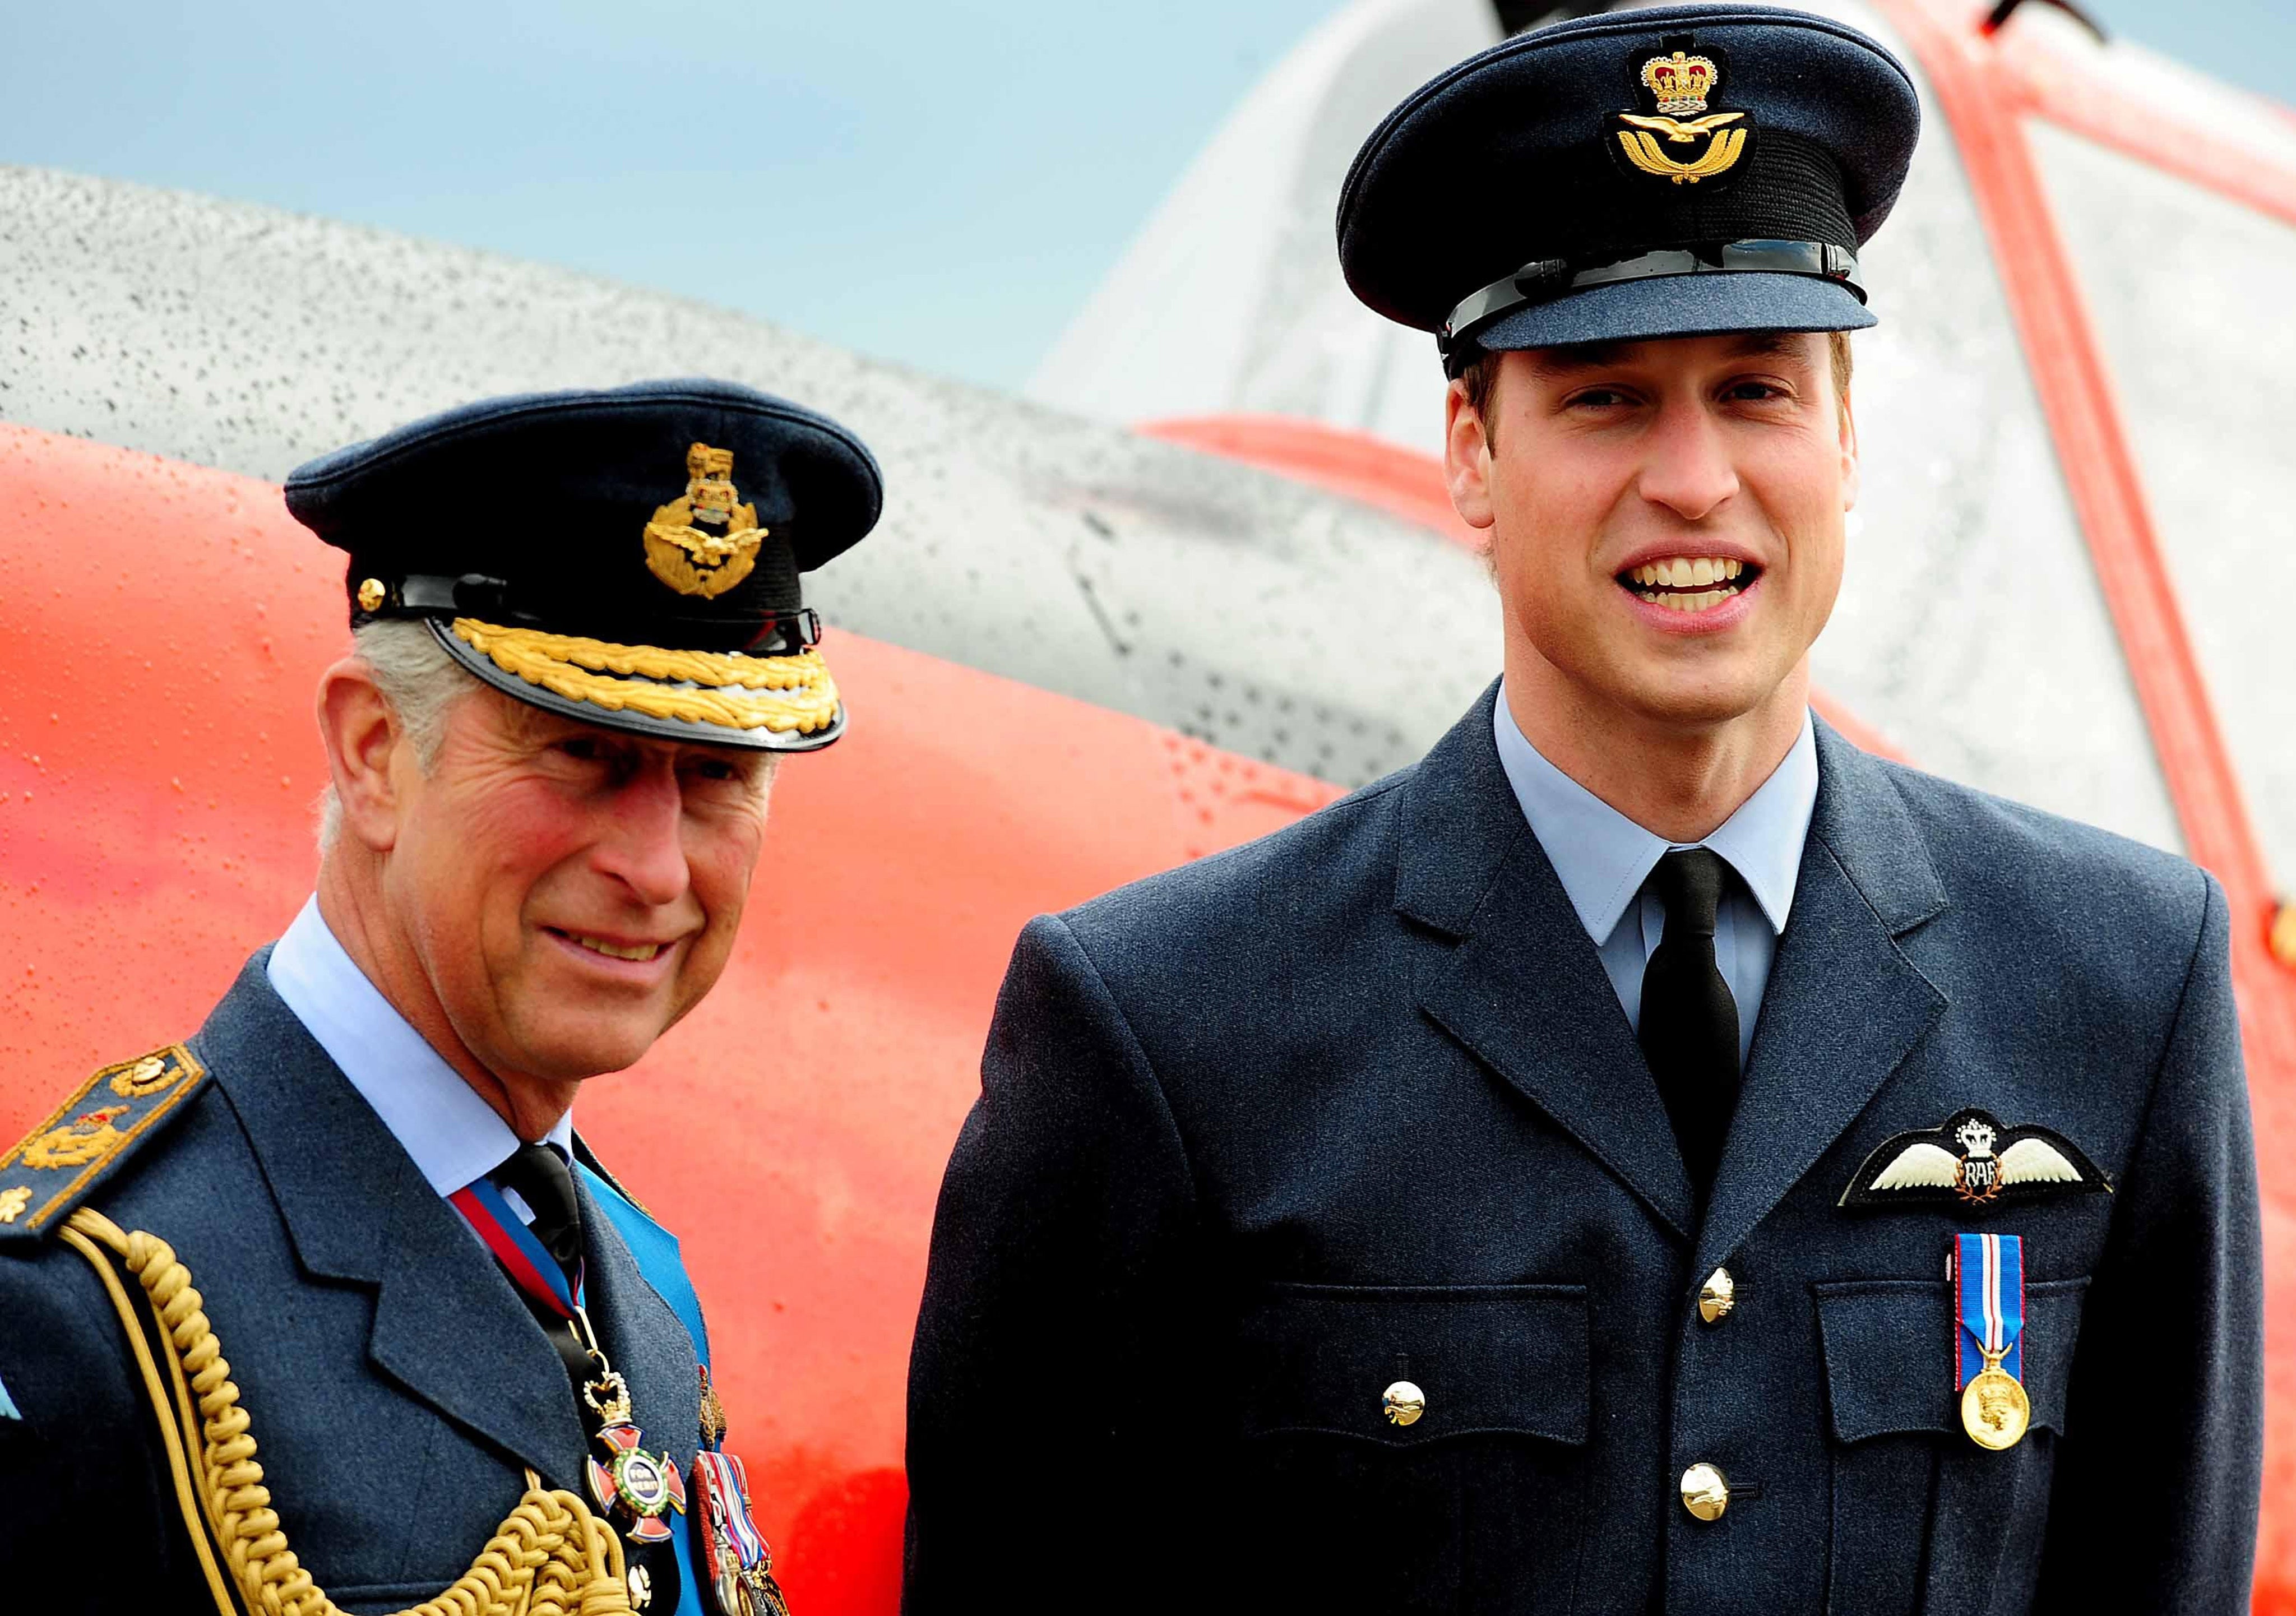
<point x="629" y="556"/>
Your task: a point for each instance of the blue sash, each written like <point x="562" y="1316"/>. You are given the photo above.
<point x="654" y="1249"/>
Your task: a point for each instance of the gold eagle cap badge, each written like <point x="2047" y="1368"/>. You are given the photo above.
<point x="1682" y="141"/>
<point x="1975" y="1164"/>
<point x="706" y="541"/>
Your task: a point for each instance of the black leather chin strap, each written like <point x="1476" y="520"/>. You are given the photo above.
<point x="1544" y="280"/>
<point x="436" y="596"/>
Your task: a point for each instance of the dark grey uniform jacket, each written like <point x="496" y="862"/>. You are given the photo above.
<point x="396" y="1383"/>
<point x="1357" y="1103"/>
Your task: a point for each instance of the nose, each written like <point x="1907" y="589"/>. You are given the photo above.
<point x="644" y="845"/>
<point x="1688" y="468"/>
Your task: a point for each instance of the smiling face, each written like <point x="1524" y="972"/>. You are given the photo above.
<point x="567" y="891"/>
<point x="1666" y="519"/>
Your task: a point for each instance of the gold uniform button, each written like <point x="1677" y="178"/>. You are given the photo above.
<point x="371" y="594"/>
<point x="1704" y="1493"/>
<point x="1403" y="1403"/>
<point x="1717" y="1296"/>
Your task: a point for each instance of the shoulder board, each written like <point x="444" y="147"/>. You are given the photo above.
<point x="84" y="1140"/>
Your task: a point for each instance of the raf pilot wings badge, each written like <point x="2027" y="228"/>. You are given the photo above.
<point x="1975" y="1162"/>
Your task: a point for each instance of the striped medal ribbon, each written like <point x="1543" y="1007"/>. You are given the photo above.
<point x="643" y="1489"/>
<point x="530" y="1267"/>
<point x="1987" y="1277"/>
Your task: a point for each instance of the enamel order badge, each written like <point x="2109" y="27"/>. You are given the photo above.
<point x="1973" y="1163"/>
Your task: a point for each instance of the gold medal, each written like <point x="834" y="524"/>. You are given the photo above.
<point x="1993" y="1408"/>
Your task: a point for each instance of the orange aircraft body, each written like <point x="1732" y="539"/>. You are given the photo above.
<point x="162" y="625"/>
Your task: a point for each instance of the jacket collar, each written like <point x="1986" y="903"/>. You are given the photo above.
<point x="1524" y="990"/>
<point x="455" y="1136"/>
<point x="447" y="1326"/>
<point x="1845" y="1005"/>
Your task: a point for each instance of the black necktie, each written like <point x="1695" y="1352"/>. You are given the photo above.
<point x="1689" y="1030"/>
<point x="539" y="1175"/>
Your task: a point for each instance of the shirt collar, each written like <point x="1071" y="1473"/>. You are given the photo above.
<point x="454" y="1136"/>
<point x="1603" y="857"/>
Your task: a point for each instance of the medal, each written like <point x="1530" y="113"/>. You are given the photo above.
<point x="1987" y="1274"/>
<point x="1994" y="1409"/>
<point x="640" y="1486"/>
<point x="737" y="1567"/>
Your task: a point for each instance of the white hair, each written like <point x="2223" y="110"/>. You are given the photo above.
<point x="420" y="683"/>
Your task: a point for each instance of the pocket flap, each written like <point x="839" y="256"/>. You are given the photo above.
<point x="1890" y="1348"/>
<point x="1508" y="1358"/>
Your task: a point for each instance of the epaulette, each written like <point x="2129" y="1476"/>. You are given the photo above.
<point x="83" y="1142"/>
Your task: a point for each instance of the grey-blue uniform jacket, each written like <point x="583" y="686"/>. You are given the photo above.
<point x="1358" y="1103"/>
<point x="396" y="1384"/>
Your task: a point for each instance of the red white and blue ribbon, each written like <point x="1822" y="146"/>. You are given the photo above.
<point x="529" y="1265"/>
<point x="1988" y="1275"/>
<point x="729" y="1491"/>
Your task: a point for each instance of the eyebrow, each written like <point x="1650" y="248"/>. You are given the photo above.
<point x="1571" y="358"/>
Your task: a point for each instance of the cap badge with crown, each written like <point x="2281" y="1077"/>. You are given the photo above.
<point x="1680" y="83"/>
<point x="706" y="541"/>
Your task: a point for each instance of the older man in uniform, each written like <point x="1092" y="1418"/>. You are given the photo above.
<point x="434" y="1351"/>
<point x="1649" y="1155"/>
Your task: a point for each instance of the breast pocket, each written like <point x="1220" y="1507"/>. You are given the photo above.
<point x="1415" y="1448"/>
<point x="1900" y="1455"/>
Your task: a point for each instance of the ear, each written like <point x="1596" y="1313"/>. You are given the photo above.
<point x="361" y="735"/>
<point x="1849" y="428"/>
<point x="1466" y="458"/>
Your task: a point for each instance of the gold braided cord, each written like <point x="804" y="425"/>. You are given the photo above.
<point x="186" y="1501"/>
<point x="550" y="1557"/>
<point x="793" y="693"/>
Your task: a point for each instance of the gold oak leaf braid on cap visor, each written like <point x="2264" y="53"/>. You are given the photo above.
<point x="796" y="692"/>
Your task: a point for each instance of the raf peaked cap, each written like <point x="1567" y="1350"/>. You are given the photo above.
<point x="628" y="557"/>
<point x="1678" y="171"/>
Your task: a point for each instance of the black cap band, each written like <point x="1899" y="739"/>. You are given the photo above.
<point x="1544" y="280"/>
<point x="776" y="631"/>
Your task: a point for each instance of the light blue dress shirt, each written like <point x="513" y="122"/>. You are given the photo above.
<point x="1602" y="858"/>
<point x="455" y="1136"/>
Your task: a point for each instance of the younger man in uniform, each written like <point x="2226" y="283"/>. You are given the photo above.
<point x="1532" y="1183"/>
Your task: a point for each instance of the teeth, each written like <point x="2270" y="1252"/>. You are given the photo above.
<point x="1687" y="572"/>
<point x="596" y="945"/>
<point x="1700" y="601"/>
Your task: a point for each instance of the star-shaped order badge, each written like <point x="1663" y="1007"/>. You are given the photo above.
<point x="642" y="1487"/>
<point x="1975" y="1163"/>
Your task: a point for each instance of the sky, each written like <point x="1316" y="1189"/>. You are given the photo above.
<point x="941" y="183"/>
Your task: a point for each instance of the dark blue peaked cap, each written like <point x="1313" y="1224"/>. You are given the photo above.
<point x="630" y="557"/>
<point x="1579" y="183"/>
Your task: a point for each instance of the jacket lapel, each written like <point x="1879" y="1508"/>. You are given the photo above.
<point x="448" y="1327"/>
<point x="1523" y="988"/>
<point x="1844" y="1007"/>
<point x="641" y="1335"/>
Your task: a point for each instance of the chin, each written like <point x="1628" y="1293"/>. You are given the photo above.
<point x="1704" y="703"/>
<point x="572" y="1054"/>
